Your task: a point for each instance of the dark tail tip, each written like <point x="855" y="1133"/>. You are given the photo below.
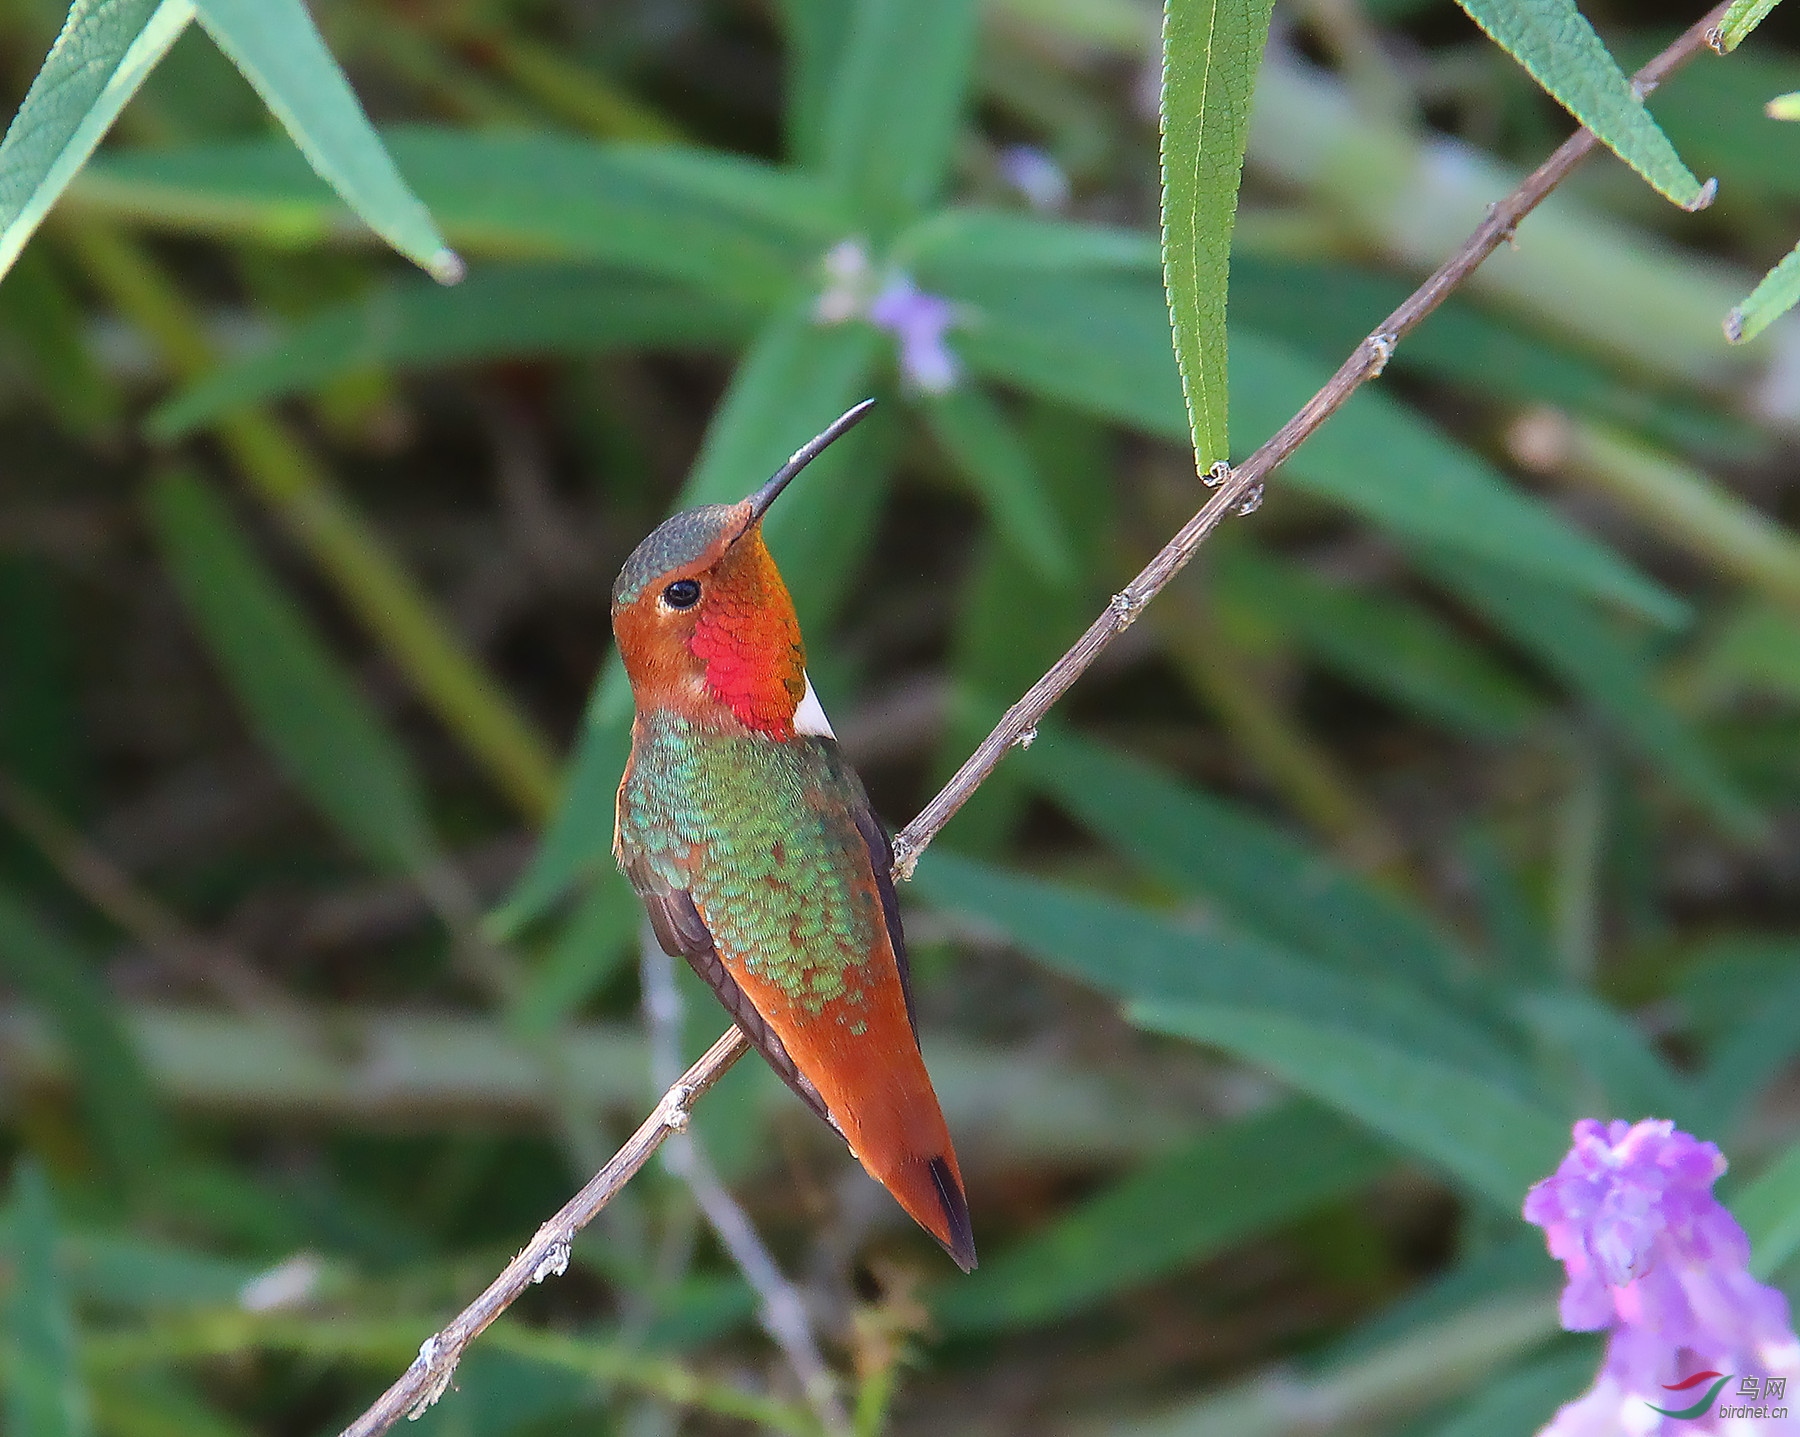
<point x="961" y="1245"/>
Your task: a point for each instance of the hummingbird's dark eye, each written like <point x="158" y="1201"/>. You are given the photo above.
<point x="682" y="594"/>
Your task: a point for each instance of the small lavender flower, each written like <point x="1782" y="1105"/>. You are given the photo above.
<point x="1043" y="183"/>
<point x="1651" y="1254"/>
<point x="918" y="320"/>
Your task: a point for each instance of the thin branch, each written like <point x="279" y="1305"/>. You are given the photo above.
<point x="1234" y="489"/>
<point x="783" y="1311"/>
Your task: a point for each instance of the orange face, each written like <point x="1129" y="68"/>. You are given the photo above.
<point x="717" y="630"/>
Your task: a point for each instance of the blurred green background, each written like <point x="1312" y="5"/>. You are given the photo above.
<point x="1452" y="796"/>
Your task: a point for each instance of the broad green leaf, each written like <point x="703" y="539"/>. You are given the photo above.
<point x="1135" y="954"/>
<point x="797" y="377"/>
<point x="1211" y="52"/>
<point x="1718" y="116"/>
<point x="1769" y="1209"/>
<point x="1379" y="641"/>
<point x="1471" y="1127"/>
<point x="896" y="106"/>
<point x="1597" y="662"/>
<point x="1098" y="343"/>
<point x="61" y="981"/>
<point x="1011" y="625"/>
<point x="499" y="312"/>
<point x="1522" y="1400"/>
<point x="816" y="32"/>
<point x="279" y="50"/>
<point x="1556" y="44"/>
<point x="1271" y="883"/>
<point x="959" y="239"/>
<point x="1762" y="1039"/>
<point x="296" y="697"/>
<point x="1743" y="17"/>
<point x="1632" y="1079"/>
<point x="45" y="1394"/>
<point x="1237" y="1180"/>
<point x="105" y="50"/>
<point x="980" y="438"/>
<point x="1774" y="296"/>
<point x="719" y="223"/>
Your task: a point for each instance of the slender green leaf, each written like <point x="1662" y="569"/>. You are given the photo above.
<point x="959" y="239"/>
<point x="1762" y="1040"/>
<point x="1211" y="52"/>
<point x="816" y="33"/>
<point x="1776" y="293"/>
<point x="1594" y="659"/>
<point x="62" y="982"/>
<point x="43" y="320"/>
<point x="279" y="50"/>
<point x="105" y="50"/>
<point x="1769" y="1209"/>
<point x="296" y="697"/>
<point x="1136" y="954"/>
<point x="1556" y="44"/>
<point x="45" y="1395"/>
<point x="1098" y="342"/>
<point x="1743" y="17"/>
<point x="1633" y="1080"/>
<point x="1470" y="1126"/>
<point x="1379" y="641"/>
<point x="1273" y="884"/>
<point x="980" y="437"/>
<point x="1237" y="1180"/>
<point x="720" y="223"/>
<point x="499" y="312"/>
<point x="797" y="378"/>
<point x="897" y="106"/>
<point x="1522" y="1400"/>
<point x="593" y="944"/>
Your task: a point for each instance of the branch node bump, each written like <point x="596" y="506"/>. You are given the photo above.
<point x="554" y="1263"/>
<point x="436" y="1380"/>
<point x="1251" y="501"/>
<point x="1027" y="738"/>
<point x="675" y="1108"/>
<point x="1715" y="39"/>
<point x="1217" y="475"/>
<point x="906" y="858"/>
<point x="1381" y="349"/>
<point x="1126" y="605"/>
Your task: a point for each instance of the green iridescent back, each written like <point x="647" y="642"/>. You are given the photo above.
<point x="778" y="868"/>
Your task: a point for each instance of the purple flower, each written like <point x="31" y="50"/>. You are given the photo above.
<point x="1036" y="176"/>
<point x="918" y="321"/>
<point x="1652" y="1255"/>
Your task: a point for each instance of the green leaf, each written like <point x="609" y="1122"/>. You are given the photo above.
<point x="1211" y="52"/>
<point x="1556" y="44"/>
<point x="1240" y="1179"/>
<point x="1273" y="884"/>
<point x="1774" y="296"/>
<point x="1761" y="1041"/>
<point x="279" y="51"/>
<point x="816" y="32"/>
<point x="1634" y="1082"/>
<point x="1386" y="644"/>
<point x="295" y="696"/>
<point x="499" y="312"/>
<point x="718" y="223"/>
<point x="897" y="106"/>
<point x="1098" y="342"/>
<point x="797" y="377"/>
<point x="61" y="981"/>
<point x="1743" y="17"/>
<point x="1468" y="1125"/>
<point x="1136" y="954"/>
<point x="1769" y="1209"/>
<point x="42" y="317"/>
<point x="960" y="240"/>
<point x="1522" y="1400"/>
<point x="979" y="436"/>
<point x="592" y="945"/>
<point x="1594" y="659"/>
<point x="45" y="1395"/>
<point x="105" y="50"/>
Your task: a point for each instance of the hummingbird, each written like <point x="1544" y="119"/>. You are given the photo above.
<point x="753" y="846"/>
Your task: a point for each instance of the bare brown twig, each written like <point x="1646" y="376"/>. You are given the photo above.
<point x="547" y="1253"/>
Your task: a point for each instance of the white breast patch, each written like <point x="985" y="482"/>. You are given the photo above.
<point x="809" y="717"/>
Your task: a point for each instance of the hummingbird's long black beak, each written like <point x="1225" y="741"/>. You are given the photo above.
<point x="759" y="501"/>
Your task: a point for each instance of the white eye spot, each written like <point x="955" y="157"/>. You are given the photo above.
<point x="809" y="717"/>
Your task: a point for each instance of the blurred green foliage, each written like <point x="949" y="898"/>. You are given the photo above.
<point x="1448" y="798"/>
